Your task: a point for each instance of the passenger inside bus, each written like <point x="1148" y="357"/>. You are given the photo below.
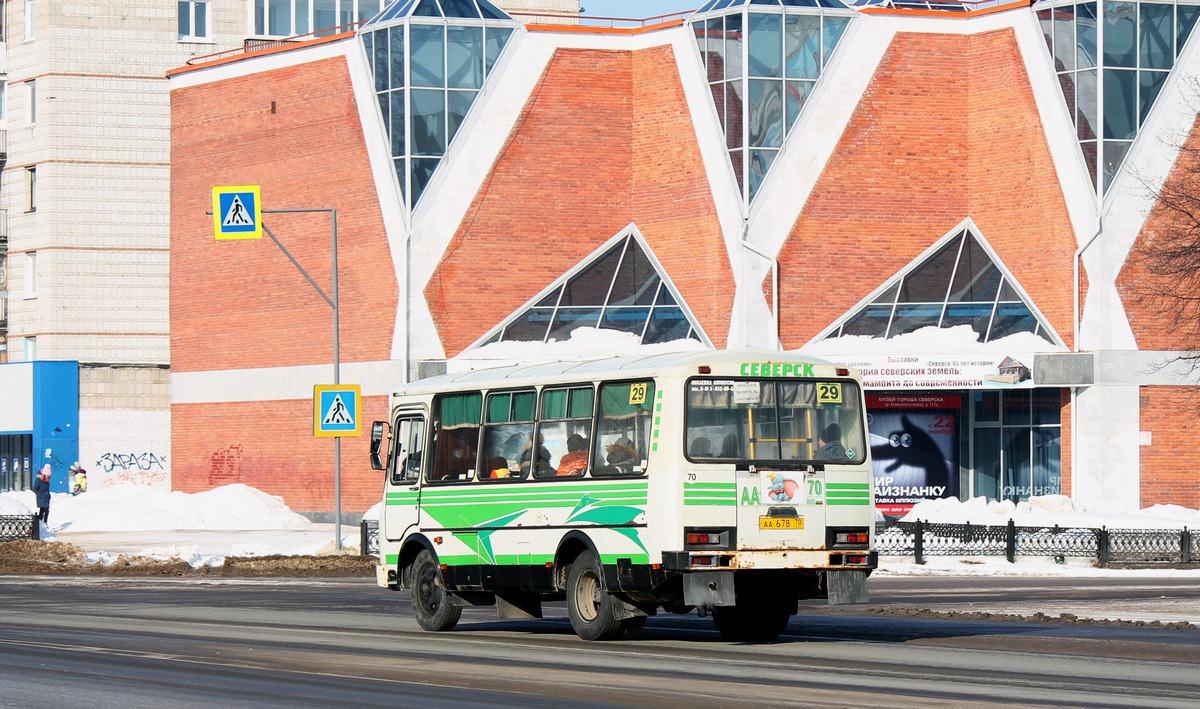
<point x="498" y="468"/>
<point x="574" y="463"/>
<point x="829" y="444"/>
<point x="701" y="448"/>
<point x="543" y="460"/>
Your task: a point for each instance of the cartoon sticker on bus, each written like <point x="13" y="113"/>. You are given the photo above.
<point x="779" y="487"/>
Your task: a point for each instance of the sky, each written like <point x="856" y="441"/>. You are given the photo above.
<point x="238" y="520"/>
<point x="637" y="9"/>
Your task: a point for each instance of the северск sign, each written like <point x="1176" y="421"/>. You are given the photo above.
<point x="941" y="371"/>
<point x="237" y="212"/>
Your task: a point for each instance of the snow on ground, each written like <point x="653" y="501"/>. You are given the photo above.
<point x="238" y="520"/>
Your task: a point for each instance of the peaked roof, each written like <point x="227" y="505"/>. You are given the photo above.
<point x="471" y="9"/>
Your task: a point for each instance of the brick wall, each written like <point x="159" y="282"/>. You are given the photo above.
<point x="235" y="304"/>
<point x="270" y="445"/>
<point x="946" y="129"/>
<point x="242" y="304"/>
<point x="1159" y="320"/>
<point x="1171" y="463"/>
<point x="604" y="140"/>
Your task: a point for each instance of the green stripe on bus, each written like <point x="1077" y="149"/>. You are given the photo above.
<point x="848" y="486"/>
<point x="862" y="501"/>
<point x="848" y="493"/>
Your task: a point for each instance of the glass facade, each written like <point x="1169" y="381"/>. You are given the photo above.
<point x="429" y="60"/>
<point x="763" y="59"/>
<point x="1112" y="59"/>
<point x="1016" y="443"/>
<point x="619" y="289"/>
<point x="959" y="284"/>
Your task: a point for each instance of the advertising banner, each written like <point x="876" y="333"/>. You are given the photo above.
<point x="914" y="448"/>
<point x="945" y="371"/>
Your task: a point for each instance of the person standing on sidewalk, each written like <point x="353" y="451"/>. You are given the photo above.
<point x="41" y="488"/>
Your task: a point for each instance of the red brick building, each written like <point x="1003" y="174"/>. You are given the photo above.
<point x="920" y="193"/>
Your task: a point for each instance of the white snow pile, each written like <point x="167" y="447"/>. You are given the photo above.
<point x="583" y="343"/>
<point x="1048" y="511"/>
<point x="960" y="338"/>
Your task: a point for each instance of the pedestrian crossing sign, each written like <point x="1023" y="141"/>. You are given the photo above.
<point x="237" y="212"/>
<point x="337" y="409"/>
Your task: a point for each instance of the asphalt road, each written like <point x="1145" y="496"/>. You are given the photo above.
<point x="132" y="643"/>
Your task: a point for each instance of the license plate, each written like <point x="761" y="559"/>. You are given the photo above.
<point x="781" y="523"/>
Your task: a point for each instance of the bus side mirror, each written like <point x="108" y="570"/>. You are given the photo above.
<point x="377" y="429"/>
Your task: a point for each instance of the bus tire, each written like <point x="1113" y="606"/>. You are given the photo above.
<point x="592" y="609"/>
<point x="753" y="624"/>
<point x="430" y="600"/>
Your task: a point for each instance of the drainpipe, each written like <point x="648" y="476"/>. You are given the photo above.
<point x="774" y="280"/>
<point x="405" y="356"/>
<point x="1076" y="262"/>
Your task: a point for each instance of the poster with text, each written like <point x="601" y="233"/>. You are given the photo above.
<point x="914" y="448"/>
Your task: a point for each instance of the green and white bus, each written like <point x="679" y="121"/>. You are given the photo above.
<point x="723" y="481"/>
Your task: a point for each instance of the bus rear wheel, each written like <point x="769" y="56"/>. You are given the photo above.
<point x="751" y="623"/>
<point x="430" y="601"/>
<point x="593" y="611"/>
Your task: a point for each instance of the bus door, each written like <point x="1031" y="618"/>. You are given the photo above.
<point x="402" y="500"/>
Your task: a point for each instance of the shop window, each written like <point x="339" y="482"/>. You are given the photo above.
<point x="787" y="45"/>
<point x="618" y="288"/>
<point x="959" y="283"/>
<point x="1016" y="444"/>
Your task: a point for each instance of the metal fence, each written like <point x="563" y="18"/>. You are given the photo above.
<point x="16" y="527"/>
<point x="1108" y="546"/>
<point x="369" y="537"/>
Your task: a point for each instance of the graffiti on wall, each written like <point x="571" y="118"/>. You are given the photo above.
<point x="144" y="468"/>
<point x="226" y="466"/>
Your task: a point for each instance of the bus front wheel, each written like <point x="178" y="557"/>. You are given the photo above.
<point x="761" y="622"/>
<point x="593" y="611"/>
<point x="430" y="601"/>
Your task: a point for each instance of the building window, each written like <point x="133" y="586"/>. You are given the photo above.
<point x="31" y="274"/>
<point x="619" y="288"/>
<point x="958" y="284"/>
<point x="31" y="101"/>
<point x="29" y="24"/>
<point x="31" y="179"/>
<point x="193" y="20"/>
<point x="429" y="63"/>
<point x="30" y="349"/>
<point x="3" y="100"/>
<point x="288" y="18"/>
<point x="762" y="64"/>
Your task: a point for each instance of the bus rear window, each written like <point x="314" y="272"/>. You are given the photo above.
<point x="772" y="421"/>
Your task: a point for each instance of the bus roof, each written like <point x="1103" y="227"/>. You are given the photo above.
<point x="626" y="366"/>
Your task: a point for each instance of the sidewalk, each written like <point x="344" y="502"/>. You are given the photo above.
<point x="316" y="540"/>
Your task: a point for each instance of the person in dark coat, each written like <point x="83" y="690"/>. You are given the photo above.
<point x="41" y="488"/>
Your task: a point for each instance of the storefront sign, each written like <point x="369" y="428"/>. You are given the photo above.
<point x="948" y="371"/>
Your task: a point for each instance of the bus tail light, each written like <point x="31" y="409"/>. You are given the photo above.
<point x="856" y="559"/>
<point x="843" y="372"/>
<point x="709" y="538"/>
<point x="703" y="560"/>
<point x="853" y="538"/>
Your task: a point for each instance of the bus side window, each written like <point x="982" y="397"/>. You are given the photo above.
<point x="456" y="420"/>
<point x="507" y="430"/>
<point x="623" y="428"/>
<point x="564" y="432"/>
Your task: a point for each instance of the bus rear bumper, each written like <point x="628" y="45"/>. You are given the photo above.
<point x="745" y="560"/>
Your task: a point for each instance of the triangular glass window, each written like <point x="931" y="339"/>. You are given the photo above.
<point x="618" y="288"/>
<point x="1114" y="84"/>
<point x="429" y="60"/>
<point x="763" y="58"/>
<point x="958" y="284"/>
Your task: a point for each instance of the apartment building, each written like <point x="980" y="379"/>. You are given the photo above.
<point x="85" y="218"/>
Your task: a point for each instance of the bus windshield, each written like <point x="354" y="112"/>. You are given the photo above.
<point x="773" y="421"/>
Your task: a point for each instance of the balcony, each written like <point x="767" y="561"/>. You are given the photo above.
<point x="3" y="145"/>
